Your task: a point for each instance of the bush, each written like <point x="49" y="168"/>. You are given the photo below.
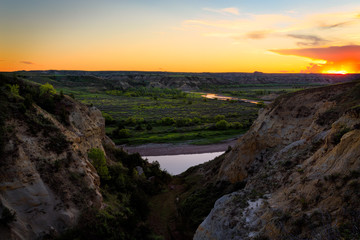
<point x="14" y="89"/>
<point x="182" y="122"/>
<point x="167" y="121"/>
<point x="219" y="117"/>
<point x="47" y="89"/>
<point x="236" y="125"/>
<point x="108" y="118"/>
<point x="124" y="133"/>
<point x="99" y="162"/>
<point x="222" y="125"/>
<point x="130" y="121"/>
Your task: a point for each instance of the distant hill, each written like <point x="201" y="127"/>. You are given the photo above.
<point x="183" y="81"/>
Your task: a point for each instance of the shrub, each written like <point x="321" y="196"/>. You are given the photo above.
<point x="130" y="121"/>
<point x="108" y="118"/>
<point x="236" y="125"/>
<point x="182" y="122"/>
<point x="219" y="117"/>
<point x="47" y="88"/>
<point x="124" y="133"/>
<point x="14" y="89"/>
<point x="99" y="162"/>
<point x="222" y="125"/>
<point x="168" y="121"/>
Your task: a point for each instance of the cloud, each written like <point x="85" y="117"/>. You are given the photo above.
<point x="230" y="10"/>
<point x="258" y="34"/>
<point x="336" y="57"/>
<point x="27" y="62"/>
<point x="304" y="30"/>
<point x="310" y="40"/>
<point x="329" y="26"/>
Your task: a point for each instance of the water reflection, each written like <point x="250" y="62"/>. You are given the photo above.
<point x="176" y="164"/>
<point x="224" y="98"/>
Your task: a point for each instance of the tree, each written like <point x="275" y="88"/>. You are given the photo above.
<point x="108" y="118"/>
<point x="222" y="124"/>
<point x="47" y="88"/>
<point x="99" y="162"/>
<point x="124" y="133"/>
<point x="14" y="89"/>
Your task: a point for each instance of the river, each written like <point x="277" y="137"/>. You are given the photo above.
<point x="176" y="164"/>
<point x="224" y="98"/>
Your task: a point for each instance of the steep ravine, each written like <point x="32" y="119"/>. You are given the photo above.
<point x="300" y="162"/>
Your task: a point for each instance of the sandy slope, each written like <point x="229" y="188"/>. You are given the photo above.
<point x="159" y="149"/>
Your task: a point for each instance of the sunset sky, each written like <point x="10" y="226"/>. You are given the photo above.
<point x="184" y="36"/>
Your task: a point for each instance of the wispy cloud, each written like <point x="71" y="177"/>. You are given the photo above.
<point x="329" y="26"/>
<point x="309" y="40"/>
<point x="27" y="62"/>
<point x="258" y="34"/>
<point x="312" y="30"/>
<point x="230" y="10"/>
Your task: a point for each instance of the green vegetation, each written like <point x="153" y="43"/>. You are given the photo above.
<point x="163" y="114"/>
<point x="99" y="162"/>
<point x="256" y="91"/>
<point x="47" y="88"/>
<point x="143" y="114"/>
<point x="126" y="195"/>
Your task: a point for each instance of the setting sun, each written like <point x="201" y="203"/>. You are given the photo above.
<point x="335" y="72"/>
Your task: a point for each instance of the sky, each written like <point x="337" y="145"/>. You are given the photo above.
<point x="181" y="36"/>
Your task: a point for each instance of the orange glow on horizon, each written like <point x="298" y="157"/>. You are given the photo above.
<point x="343" y="72"/>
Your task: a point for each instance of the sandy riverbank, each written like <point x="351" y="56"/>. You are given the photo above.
<point x="160" y="149"/>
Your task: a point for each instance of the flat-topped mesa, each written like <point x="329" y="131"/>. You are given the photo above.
<point x="300" y="162"/>
<point x="46" y="177"/>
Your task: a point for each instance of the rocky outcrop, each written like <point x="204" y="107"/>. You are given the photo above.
<point x="46" y="177"/>
<point x="301" y="165"/>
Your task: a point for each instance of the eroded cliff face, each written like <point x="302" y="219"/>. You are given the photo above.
<point x="301" y="164"/>
<point x="46" y="177"/>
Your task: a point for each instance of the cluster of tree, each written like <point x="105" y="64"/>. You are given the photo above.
<point x="127" y="181"/>
<point x="124" y="128"/>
